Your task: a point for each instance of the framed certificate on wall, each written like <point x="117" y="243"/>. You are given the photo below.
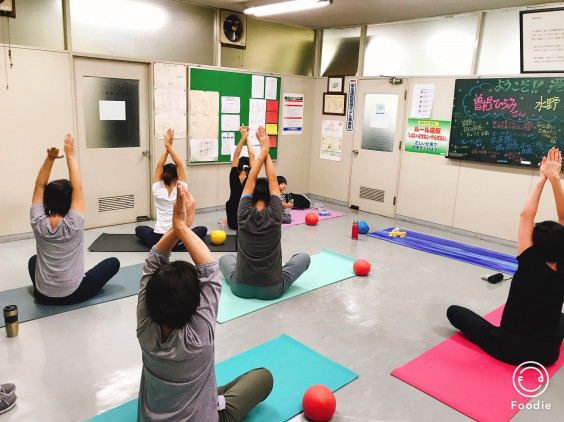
<point x="334" y="104"/>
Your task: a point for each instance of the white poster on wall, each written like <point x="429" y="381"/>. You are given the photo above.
<point x="422" y="102"/>
<point x="331" y="140"/>
<point x="292" y="114"/>
<point x="112" y="110"/>
<point x="542" y="41"/>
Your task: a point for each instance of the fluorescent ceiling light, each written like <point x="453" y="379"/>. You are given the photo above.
<point x="286" y="7"/>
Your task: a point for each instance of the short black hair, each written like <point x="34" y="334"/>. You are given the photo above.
<point x="244" y="165"/>
<point x="173" y="294"/>
<point x="281" y="179"/>
<point x="548" y="237"/>
<point x="262" y="192"/>
<point x="169" y="173"/>
<point x="57" y="197"/>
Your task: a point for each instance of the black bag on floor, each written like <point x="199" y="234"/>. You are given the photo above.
<point x="301" y="202"/>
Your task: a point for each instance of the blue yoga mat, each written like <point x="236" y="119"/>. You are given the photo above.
<point x="125" y="283"/>
<point x="326" y="268"/>
<point x="466" y="253"/>
<point x="294" y="367"/>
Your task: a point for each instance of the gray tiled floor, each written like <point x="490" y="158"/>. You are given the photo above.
<point x="71" y="366"/>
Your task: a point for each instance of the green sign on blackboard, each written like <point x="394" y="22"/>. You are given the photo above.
<point x="511" y="121"/>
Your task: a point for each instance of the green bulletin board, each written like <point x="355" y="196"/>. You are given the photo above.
<point x="512" y="121"/>
<point x="234" y="84"/>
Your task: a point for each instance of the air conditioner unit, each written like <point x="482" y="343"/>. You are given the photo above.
<point x="8" y="8"/>
<point x="233" y="29"/>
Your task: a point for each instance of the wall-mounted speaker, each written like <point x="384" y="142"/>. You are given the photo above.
<point x="233" y="29"/>
<point x="8" y="8"/>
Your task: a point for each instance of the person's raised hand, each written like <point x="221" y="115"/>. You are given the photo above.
<point x="262" y="136"/>
<point x="244" y="130"/>
<point x="53" y="153"/>
<point x="179" y="210"/>
<point x="552" y="166"/>
<point x="69" y="145"/>
<point x="168" y="137"/>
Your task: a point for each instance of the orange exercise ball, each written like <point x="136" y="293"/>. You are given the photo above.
<point x="311" y="219"/>
<point x="361" y="267"/>
<point x="319" y="403"/>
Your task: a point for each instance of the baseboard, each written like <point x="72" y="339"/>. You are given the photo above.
<point x="457" y="231"/>
<point x="14" y="237"/>
<point x="319" y="198"/>
<point x="210" y="209"/>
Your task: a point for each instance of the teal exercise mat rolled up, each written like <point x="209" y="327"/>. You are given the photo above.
<point x="460" y="251"/>
<point x="326" y="268"/>
<point x="294" y="367"/>
<point x="125" y="283"/>
<point x="120" y="242"/>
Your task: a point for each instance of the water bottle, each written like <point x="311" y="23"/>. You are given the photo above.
<point x="354" y="230"/>
<point x="11" y="320"/>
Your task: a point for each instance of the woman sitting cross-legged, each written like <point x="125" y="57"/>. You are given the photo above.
<point x="176" y="313"/>
<point x="57" y="220"/>
<point x="164" y="191"/>
<point x="532" y="325"/>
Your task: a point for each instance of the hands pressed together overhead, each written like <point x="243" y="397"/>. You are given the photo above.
<point x="551" y="165"/>
<point x="184" y="209"/>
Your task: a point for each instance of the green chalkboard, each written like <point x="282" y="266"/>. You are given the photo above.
<point x="512" y="121"/>
<point x="231" y="84"/>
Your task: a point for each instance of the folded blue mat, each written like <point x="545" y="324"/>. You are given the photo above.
<point x="294" y="367"/>
<point x="466" y="253"/>
<point x="125" y="283"/>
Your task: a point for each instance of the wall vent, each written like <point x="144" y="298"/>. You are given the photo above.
<point x="372" y="194"/>
<point x="113" y="203"/>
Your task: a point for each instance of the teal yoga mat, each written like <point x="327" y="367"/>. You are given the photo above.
<point x="326" y="268"/>
<point x="294" y="367"/>
<point x="125" y="283"/>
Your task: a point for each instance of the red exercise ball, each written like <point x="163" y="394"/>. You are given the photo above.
<point x="311" y="219"/>
<point x="361" y="267"/>
<point x="319" y="403"/>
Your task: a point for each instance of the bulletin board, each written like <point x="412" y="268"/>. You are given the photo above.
<point x="512" y="121"/>
<point x="216" y="90"/>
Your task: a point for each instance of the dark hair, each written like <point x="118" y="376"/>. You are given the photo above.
<point x="548" y="237"/>
<point x="169" y="173"/>
<point x="262" y="192"/>
<point x="173" y="294"/>
<point x="281" y="179"/>
<point x="244" y="165"/>
<point x="57" y="197"/>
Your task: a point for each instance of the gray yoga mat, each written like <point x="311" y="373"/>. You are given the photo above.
<point x="112" y="242"/>
<point x="125" y="283"/>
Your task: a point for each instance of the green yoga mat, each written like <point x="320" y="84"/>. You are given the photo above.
<point x="326" y="268"/>
<point x="294" y="367"/>
<point x="125" y="283"/>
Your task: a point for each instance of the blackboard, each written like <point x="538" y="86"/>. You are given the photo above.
<point x="512" y="121"/>
<point x="230" y="84"/>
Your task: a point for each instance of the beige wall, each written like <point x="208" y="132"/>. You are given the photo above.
<point x="36" y="112"/>
<point x="329" y="178"/>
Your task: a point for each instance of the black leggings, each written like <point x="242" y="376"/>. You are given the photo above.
<point x="504" y="346"/>
<point x="89" y="287"/>
<point x="150" y="238"/>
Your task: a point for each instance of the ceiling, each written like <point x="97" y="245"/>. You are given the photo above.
<point x="356" y="12"/>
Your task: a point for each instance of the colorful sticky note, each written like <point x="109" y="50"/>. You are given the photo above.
<point x="271" y="129"/>
<point x="271" y="117"/>
<point x="272" y="141"/>
<point x="272" y="106"/>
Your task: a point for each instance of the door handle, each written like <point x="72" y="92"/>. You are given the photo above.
<point x="355" y="151"/>
<point x="146" y="153"/>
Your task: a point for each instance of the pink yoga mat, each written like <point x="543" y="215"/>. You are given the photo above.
<point x="298" y="216"/>
<point x="461" y="375"/>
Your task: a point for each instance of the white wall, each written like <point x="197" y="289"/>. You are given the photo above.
<point x="481" y="198"/>
<point x="329" y="178"/>
<point x="35" y="113"/>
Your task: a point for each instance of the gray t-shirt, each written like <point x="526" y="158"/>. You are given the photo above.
<point x="178" y="379"/>
<point x="60" y="252"/>
<point x="259" y="254"/>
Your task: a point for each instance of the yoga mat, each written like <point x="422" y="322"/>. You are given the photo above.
<point x="466" y="253"/>
<point x="113" y="242"/>
<point x="125" y="283"/>
<point x="326" y="268"/>
<point x="464" y="377"/>
<point x="291" y="380"/>
<point x="298" y="216"/>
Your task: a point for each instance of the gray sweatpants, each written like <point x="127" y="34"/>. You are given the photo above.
<point x="244" y="393"/>
<point x="291" y="271"/>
